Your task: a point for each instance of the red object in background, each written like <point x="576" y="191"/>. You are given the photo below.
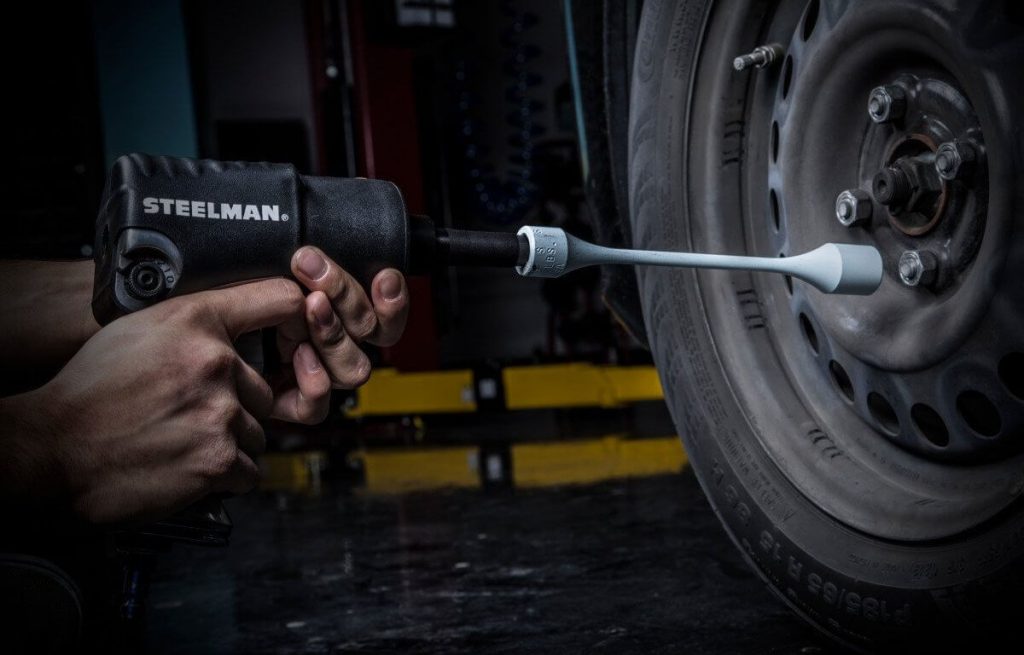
<point x="389" y="150"/>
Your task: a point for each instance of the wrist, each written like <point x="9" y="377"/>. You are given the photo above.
<point x="45" y="312"/>
<point x="31" y="473"/>
<point x="86" y="324"/>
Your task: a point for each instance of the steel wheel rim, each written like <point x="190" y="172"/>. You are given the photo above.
<point x="950" y="497"/>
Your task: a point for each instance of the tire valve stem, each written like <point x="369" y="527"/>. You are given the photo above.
<point x="760" y="57"/>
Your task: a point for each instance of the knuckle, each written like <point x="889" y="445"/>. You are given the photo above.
<point x="355" y="375"/>
<point x="333" y="336"/>
<point x="196" y="357"/>
<point x="336" y="284"/>
<point x="364" y="326"/>
<point x="216" y="361"/>
<point x="313" y="413"/>
<point x="320" y="388"/>
<point x="361" y="374"/>
<point x="289" y="292"/>
<point x="220" y="458"/>
<point x="222" y="410"/>
<point x="234" y="414"/>
<point x="388" y="338"/>
<point x="188" y="310"/>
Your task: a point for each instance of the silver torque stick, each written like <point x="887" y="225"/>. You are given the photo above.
<point x="830" y="268"/>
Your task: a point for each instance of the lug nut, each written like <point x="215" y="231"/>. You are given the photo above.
<point x="918" y="268"/>
<point x="760" y="57"/>
<point x="853" y="207"/>
<point x="887" y="103"/>
<point x="953" y="159"/>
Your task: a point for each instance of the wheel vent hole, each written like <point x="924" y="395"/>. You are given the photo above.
<point x="1011" y="372"/>
<point x="841" y="379"/>
<point x="809" y="333"/>
<point x="930" y="424"/>
<point x="979" y="413"/>
<point x="788" y="279"/>
<point x="787" y="76"/>
<point x="774" y="207"/>
<point x="775" y="141"/>
<point x="883" y="413"/>
<point x="810" y="18"/>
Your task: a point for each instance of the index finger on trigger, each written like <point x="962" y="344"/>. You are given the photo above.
<point x="248" y="307"/>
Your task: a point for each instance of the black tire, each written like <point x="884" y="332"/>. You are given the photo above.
<point x="863" y="569"/>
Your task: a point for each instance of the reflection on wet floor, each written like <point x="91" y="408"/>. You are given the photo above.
<point x="625" y="566"/>
<point x="486" y="465"/>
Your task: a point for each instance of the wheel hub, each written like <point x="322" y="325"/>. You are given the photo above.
<point x="909" y="186"/>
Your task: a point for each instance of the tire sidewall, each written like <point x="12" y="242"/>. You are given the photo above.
<point x="792" y="544"/>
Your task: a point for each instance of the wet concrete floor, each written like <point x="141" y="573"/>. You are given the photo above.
<point x="630" y="566"/>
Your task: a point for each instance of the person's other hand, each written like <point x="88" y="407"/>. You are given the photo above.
<point x="157" y="410"/>
<point x="340" y="315"/>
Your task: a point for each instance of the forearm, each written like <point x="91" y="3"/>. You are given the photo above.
<point x="45" y="312"/>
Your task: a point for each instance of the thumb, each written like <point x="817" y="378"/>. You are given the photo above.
<point x="254" y="305"/>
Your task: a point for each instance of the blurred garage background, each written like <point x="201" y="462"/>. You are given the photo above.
<point x="499" y="380"/>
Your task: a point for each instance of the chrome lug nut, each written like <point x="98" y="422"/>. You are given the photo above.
<point x="760" y="57"/>
<point x="853" y="207"/>
<point x="953" y="159"/>
<point x="887" y="103"/>
<point x="918" y="268"/>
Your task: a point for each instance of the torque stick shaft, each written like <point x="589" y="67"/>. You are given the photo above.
<point x="830" y="268"/>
